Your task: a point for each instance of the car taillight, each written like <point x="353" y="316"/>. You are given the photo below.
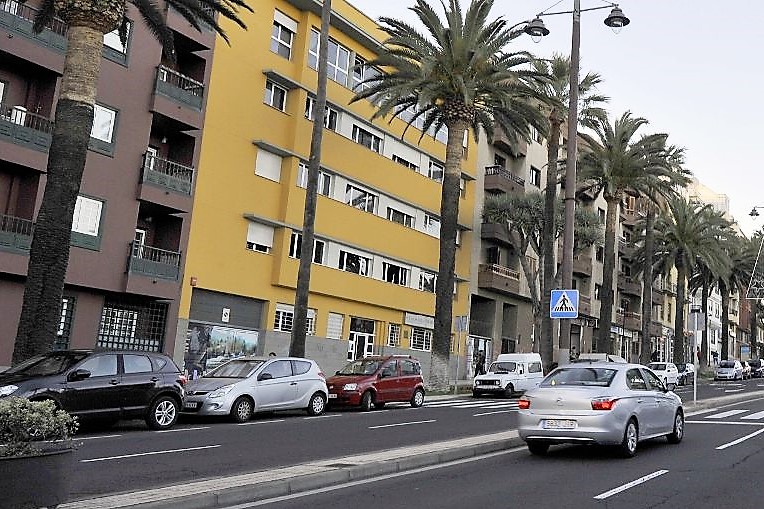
<point x="523" y="404"/>
<point x="183" y="380"/>
<point x="603" y="404"/>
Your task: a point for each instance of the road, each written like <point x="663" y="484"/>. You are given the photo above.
<point x="711" y="467"/>
<point x="127" y="457"/>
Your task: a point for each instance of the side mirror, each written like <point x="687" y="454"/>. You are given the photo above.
<point x="264" y="376"/>
<point x="337" y="372"/>
<point x="78" y="374"/>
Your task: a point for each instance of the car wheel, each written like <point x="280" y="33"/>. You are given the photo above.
<point x="628" y="446"/>
<point x="678" y="433"/>
<point x="508" y="391"/>
<point x="537" y="448"/>
<point x="366" y="401"/>
<point x="417" y="399"/>
<point x="379" y="405"/>
<point x="242" y="409"/>
<point x="317" y="404"/>
<point x="163" y="413"/>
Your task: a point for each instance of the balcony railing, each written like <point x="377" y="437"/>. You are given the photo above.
<point x="169" y="174"/>
<point x="153" y="262"/>
<point x="179" y="87"/>
<point x="503" y="172"/>
<point x="19" y="17"/>
<point x="22" y="127"/>
<point x="15" y="233"/>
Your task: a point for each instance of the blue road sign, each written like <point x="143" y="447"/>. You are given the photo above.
<point x="563" y="304"/>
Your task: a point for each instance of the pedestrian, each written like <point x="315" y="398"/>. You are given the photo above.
<point x="480" y="363"/>
<point x="654" y="356"/>
<point x="573" y="353"/>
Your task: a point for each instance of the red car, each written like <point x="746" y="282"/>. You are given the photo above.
<point x="375" y="381"/>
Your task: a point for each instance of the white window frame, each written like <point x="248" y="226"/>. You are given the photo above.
<point x="423" y="277"/>
<point x="284" y="319"/>
<point x="295" y="244"/>
<point x="424" y="335"/>
<point x="535" y="175"/>
<point x="104" y="122"/>
<point x="364" y="265"/>
<point x="334" y="325"/>
<point x="87" y="216"/>
<point x="403" y="273"/>
<point x="259" y="237"/>
<point x="331" y="116"/>
<point x="406" y="219"/>
<point x="336" y="69"/>
<point x="435" y="171"/>
<point x="394" y="335"/>
<point x="432" y="225"/>
<point x="324" y="179"/>
<point x="408" y="164"/>
<point x="361" y="72"/>
<point x="361" y="199"/>
<point x="270" y="95"/>
<point x="360" y="136"/>
<point x="112" y="40"/>
<point x="278" y="30"/>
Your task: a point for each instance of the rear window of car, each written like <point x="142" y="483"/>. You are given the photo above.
<point x="755" y="363"/>
<point x="657" y="366"/>
<point x="727" y="364"/>
<point x="136" y="363"/>
<point x="583" y="376"/>
<point x="301" y="367"/>
<point x="361" y="367"/>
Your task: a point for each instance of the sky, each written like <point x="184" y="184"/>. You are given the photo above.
<point x="692" y="68"/>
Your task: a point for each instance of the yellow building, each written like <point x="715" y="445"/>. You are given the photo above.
<point x="373" y="277"/>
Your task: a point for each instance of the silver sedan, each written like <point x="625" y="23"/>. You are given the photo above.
<point x="600" y="403"/>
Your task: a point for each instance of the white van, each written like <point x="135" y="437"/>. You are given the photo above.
<point x="509" y="373"/>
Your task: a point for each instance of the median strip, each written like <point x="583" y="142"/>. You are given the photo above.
<point x="636" y="482"/>
<point x="152" y="453"/>
<point x="401" y="424"/>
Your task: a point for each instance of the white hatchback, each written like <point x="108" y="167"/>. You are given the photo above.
<point x="667" y="372"/>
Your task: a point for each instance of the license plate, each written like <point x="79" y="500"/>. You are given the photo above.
<point x="332" y="396"/>
<point x="191" y="404"/>
<point x="558" y="424"/>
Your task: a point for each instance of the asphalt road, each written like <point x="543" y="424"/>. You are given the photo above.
<point x="128" y="457"/>
<point x="712" y="467"/>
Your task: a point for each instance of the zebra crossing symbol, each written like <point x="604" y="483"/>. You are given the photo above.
<point x="563" y="304"/>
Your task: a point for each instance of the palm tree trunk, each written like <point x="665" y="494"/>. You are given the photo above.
<point x="681" y="290"/>
<point x="704" y="333"/>
<point x="647" y="287"/>
<point x="299" y="327"/>
<point x="49" y="254"/>
<point x="725" y="320"/>
<point x="444" y="289"/>
<point x="548" y="238"/>
<point x="607" y="296"/>
<point x="752" y="325"/>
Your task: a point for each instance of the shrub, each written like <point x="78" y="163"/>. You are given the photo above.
<point x="32" y="427"/>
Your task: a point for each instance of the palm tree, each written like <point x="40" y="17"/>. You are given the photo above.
<point x="456" y="76"/>
<point x="521" y="215"/>
<point x="686" y="233"/>
<point x="557" y="92"/>
<point x="734" y="279"/>
<point x="87" y="23"/>
<point x="615" y="163"/>
<point x="704" y="280"/>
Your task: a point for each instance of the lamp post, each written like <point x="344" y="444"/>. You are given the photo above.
<point x="536" y="29"/>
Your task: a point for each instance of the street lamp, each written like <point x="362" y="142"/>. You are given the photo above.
<point x="536" y="29"/>
<point x="754" y="211"/>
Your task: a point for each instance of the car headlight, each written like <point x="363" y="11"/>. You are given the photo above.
<point x="7" y="390"/>
<point x="349" y="387"/>
<point x="219" y="393"/>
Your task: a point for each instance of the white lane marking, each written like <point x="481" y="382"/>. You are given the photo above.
<point x="152" y="453"/>
<point x="636" y="482"/>
<point x="757" y="415"/>
<point x="735" y="390"/>
<point x="501" y="405"/>
<point x="448" y="402"/>
<point x="728" y="413"/>
<point x="321" y="416"/>
<point x="726" y="422"/>
<point x="95" y="437"/>
<point x="473" y="405"/>
<point x="492" y="413"/>
<point x="401" y="424"/>
<point x="260" y="422"/>
<point x="699" y="412"/>
<point x="741" y="439"/>
<point x="182" y="429"/>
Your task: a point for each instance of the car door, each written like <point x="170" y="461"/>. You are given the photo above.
<point x="100" y="394"/>
<point x="306" y="381"/>
<point x="411" y="375"/>
<point x="388" y="384"/>
<point x="276" y="386"/>
<point x="644" y="399"/>
<point x="138" y="383"/>
<point x="664" y="413"/>
<point x="535" y="375"/>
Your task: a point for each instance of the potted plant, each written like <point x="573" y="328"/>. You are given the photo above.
<point x="36" y="453"/>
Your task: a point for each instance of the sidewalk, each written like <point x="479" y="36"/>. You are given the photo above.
<point x="251" y="487"/>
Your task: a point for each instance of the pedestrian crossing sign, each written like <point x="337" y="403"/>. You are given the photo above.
<point x="563" y="304"/>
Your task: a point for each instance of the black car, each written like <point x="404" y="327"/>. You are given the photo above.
<point x="106" y="385"/>
<point x="757" y="368"/>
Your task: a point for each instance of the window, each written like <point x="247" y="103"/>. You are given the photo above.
<point x="268" y="165"/>
<point x="458" y="238"/>
<point x="275" y="95"/>
<point x="259" y="237"/>
<point x="404" y="162"/>
<point x="395" y="274"/>
<point x="87" y="216"/>
<point x="360" y="199"/>
<point x="368" y="140"/>
<point x="432" y="225"/>
<point x="597" y="290"/>
<point x="295" y="245"/>
<point x="102" y="365"/>
<point x="499" y="161"/>
<point x="136" y="364"/>
<point x="285" y="317"/>
<point x="462" y="188"/>
<point x="535" y="134"/>
<point x="282" y="34"/>
<point x="394" y="334"/>
<point x="435" y="171"/>
<point x="601" y="214"/>
<point x="352" y="262"/>
<point x="278" y="369"/>
<point x="338" y="59"/>
<point x="400" y="217"/>
<point x="421" y="339"/>
<point x="330" y="114"/>
<point x="535" y="174"/>
<point x="334" y="326"/>
<point x="409" y="367"/>
<point x="64" y="323"/>
<point x="113" y="41"/>
<point x="427" y="281"/>
<point x="324" y="180"/>
<point x="132" y="325"/>
<point x="493" y="255"/>
<point x="361" y="72"/>
<point x="534" y="367"/>
<point x="635" y="381"/>
<point x="599" y="254"/>
<point x="104" y="120"/>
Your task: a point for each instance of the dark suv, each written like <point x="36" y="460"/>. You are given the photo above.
<point x="106" y="385"/>
<point x="376" y="381"/>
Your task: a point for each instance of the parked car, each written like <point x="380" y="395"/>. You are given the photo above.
<point x="686" y="373"/>
<point x="106" y="385"/>
<point x="511" y="372"/>
<point x="376" y="381"/>
<point x="667" y="372"/>
<point x="757" y="368"/>
<point x="603" y="403"/>
<point x="746" y="370"/>
<point x="246" y="385"/>
<point x="598" y="357"/>
<point x="729" y="370"/>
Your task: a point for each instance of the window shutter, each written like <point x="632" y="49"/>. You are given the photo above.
<point x="268" y="165"/>
<point x="258" y="233"/>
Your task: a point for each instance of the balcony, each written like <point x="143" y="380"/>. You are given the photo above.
<point x="499" y="180"/>
<point x="178" y="97"/>
<point x="629" y="320"/>
<point x="498" y="278"/>
<point x="656" y="328"/>
<point x="152" y="271"/>
<point x="584" y="305"/>
<point x="496" y="232"/>
<point x="631" y="216"/>
<point x="22" y="127"/>
<point x="582" y="265"/>
<point x="15" y="234"/>
<point x="518" y="148"/>
<point x="586" y="194"/>
<point x="628" y="286"/>
<point x="18" y="18"/>
<point x="626" y="247"/>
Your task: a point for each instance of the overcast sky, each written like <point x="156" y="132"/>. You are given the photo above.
<point x="692" y="68"/>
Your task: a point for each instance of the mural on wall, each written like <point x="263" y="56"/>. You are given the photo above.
<point x="209" y="346"/>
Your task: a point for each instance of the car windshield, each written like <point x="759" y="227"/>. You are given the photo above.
<point x="657" y="366"/>
<point x="361" y="367"/>
<point x="585" y="376"/>
<point x="234" y="369"/>
<point x="53" y="363"/>
<point x="755" y="363"/>
<point x="502" y="367"/>
<point x="727" y="364"/>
